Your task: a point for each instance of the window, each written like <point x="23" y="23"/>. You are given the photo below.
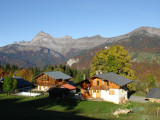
<point x="45" y="78"/>
<point x="97" y="82"/>
<point x="111" y="92"/>
<point x="102" y="82"/>
<point x="107" y="83"/>
<point x="87" y="91"/>
<point x="94" y="91"/>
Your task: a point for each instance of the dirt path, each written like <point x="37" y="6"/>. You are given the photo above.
<point x="137" y="99"/>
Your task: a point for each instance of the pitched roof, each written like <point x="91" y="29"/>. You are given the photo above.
<point x="154" y="93"/>
<point x="68" y="86"/>
<point x="21" y="82"/>
<point x="115" y="78"/>
<point x="58" y="75"/>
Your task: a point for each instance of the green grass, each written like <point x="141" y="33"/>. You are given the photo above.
<point x="42" y="107"/>
<point x="142" y="56"/>
<point x="140" y="93"/>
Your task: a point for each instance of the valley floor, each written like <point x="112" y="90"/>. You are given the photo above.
<point x="42" y="107"/>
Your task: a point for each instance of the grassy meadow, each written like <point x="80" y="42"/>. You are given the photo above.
<point x="44" y="108"/>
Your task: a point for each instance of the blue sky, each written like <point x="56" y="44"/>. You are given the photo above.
<point x="23" y="19"/>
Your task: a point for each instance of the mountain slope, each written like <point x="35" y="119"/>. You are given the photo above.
<point x="142" y="44"/>
<point x="45" y="49"/>
<point x="29" y="56"/>
<point x="64" y="45"/>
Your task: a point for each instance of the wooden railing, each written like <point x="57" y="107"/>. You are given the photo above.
<point x="50" y="84"/>
<point x="100" y="87"/>
<point x="45" y="84"/>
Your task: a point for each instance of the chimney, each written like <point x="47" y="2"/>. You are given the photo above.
<point x="99" y="72"/>
<point x="84" y="76"/>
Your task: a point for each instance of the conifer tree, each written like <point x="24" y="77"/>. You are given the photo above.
<point x="9" y="84"/>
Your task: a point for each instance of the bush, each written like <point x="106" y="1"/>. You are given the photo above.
<point x="128" y="106"/>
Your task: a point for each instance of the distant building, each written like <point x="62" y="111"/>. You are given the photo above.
<point x="22" y="84"/>
<point x="47" y="80"/>
<point x="108" y="87"/>
<point x="154" y="95"/>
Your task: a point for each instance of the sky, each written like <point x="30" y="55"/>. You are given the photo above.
<point x="23" y="19"/>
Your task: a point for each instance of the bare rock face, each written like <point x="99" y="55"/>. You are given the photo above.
<point x="65" y="44"/>
<point x="70" y="62"/>
<point x="147" y="30"/>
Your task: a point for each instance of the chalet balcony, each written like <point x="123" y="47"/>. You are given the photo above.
<point x="100" y="87"/>
<point x="46" y="83"/>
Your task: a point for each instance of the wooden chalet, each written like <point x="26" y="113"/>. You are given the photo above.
<point x="109" y="87"/>
<point x="47" y="80"/>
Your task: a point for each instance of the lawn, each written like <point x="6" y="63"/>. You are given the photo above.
<point x="44" y="108"/>
<point x="142" y="56"/>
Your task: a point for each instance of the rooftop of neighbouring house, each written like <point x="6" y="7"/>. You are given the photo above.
<point x="58" y="75"/>
<point x="115" y="78"/>
<point x="154" y="93"/>
<point x="68" y="86"/>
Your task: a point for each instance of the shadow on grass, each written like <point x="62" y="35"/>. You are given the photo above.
<point x="16" y="108"/>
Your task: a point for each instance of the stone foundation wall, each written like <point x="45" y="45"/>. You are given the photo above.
<point x="154" y="100"/>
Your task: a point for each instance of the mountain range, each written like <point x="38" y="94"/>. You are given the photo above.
<point x="142" y="43"/>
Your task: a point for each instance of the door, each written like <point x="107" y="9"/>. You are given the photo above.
<point x="98" y="93"/>
<point x="39" y="87"/>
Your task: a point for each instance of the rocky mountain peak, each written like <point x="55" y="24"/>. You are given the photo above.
<point x="65" y="37"/>
<point x="42" y="34"/>
<point x="44" y="49"/>
<point x="41" y="37"/>
<point x="147" y="30"/>
<point x="97" y="36"/>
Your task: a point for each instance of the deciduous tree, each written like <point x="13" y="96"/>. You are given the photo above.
<point x="115" y="59"/>
<point x="150" y="82"/>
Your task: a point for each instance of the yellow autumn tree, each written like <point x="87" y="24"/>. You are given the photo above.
<point x="30" y="75"/>
<point x="24" y="73"/>
<point x="115" y="59"/>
